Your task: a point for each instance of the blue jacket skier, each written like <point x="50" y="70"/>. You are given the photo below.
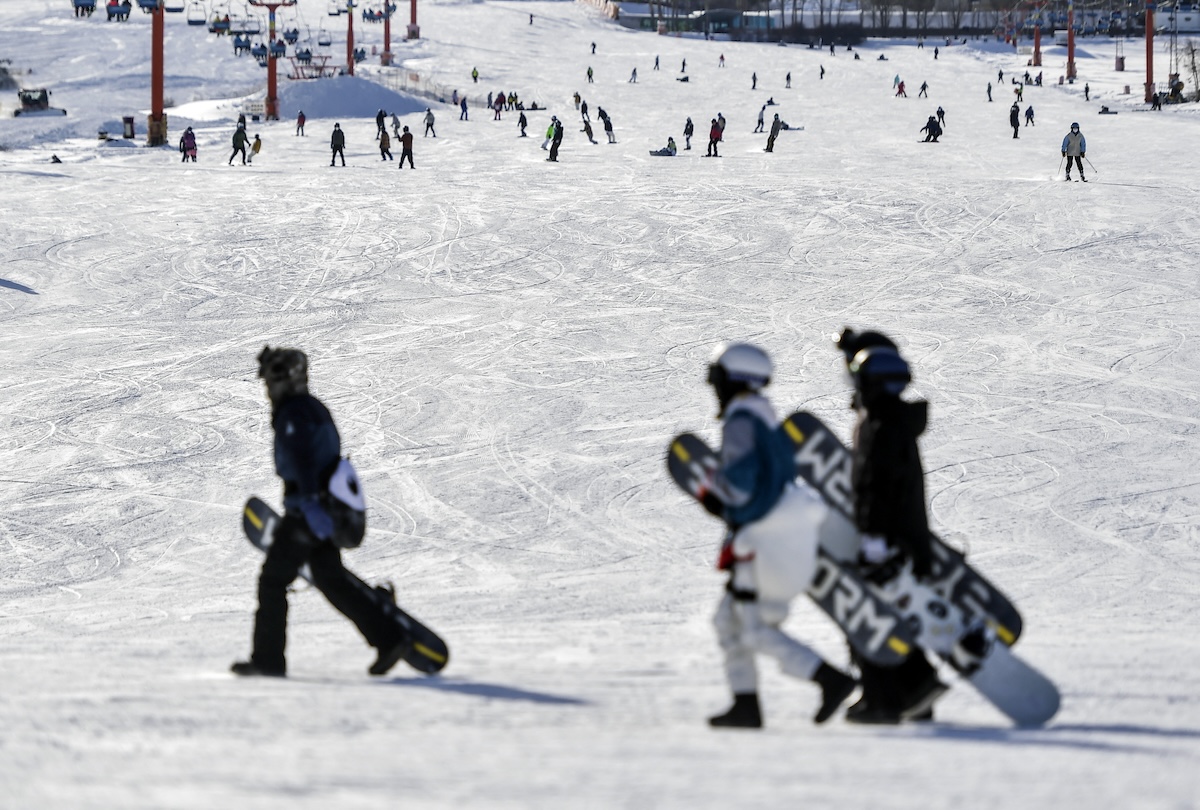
<point x="771" y="547"/>
<point x="1074" y="148"/>
<point x="307" y="459"/>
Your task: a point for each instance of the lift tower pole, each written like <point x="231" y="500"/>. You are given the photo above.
<point x="272" y="105"/>
<point x="1149" y="51"/>
<point x="156" y="133"/>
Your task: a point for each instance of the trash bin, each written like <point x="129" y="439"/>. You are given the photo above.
<point x="127" y="134"/>
<point x="1120" y="63"/>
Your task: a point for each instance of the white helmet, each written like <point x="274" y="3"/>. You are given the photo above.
<point x="740" y="363"/>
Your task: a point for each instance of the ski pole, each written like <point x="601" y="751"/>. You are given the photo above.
<point x="1060" y="163"/>
<point x="1090" y="164"/>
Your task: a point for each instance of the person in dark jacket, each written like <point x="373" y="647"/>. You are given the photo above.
<point x="307" y="452"/>
<point x="888" y="485"/>
<point x="380" y="124"/>
<point x="776" y="125"/>
<point x="689" y="129"/>
<point x="523" y="122"/>
<point x="932" y="129"/>
<point x="385" y="146"/>
<point x="406" y="142"/>
<point x="1014" y="119"/>
<point x="556" y="140"/>
<point x="187" y="145"/>
<point x="338" y="143"/>
<point x="240" y="140"/>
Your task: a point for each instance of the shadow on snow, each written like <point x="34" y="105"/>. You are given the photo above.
<point x="12" y="285"/>
<point x="486" y="690"/>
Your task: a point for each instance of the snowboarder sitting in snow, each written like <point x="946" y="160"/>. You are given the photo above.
<point x="308" y="459"/>
<point x="770" y="548"/>
<point x="932" y="129"/>
<point x="667" y="151"/>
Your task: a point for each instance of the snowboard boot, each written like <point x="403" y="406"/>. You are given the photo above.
<point x="744" y="713"/>
<point x="920" y="700"/>
<point x="389" y="656"/>
<point x="863" y="713"/>
<point x="835" y="688"/>
<point x="249" y="669"/>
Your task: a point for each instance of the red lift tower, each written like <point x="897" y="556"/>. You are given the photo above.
<point x="1038" y="11"/>
<point x="350" y="37"/>
<point x="272" y="105"/>
<point x="156" y="132"/>
<point x="1149" y="51"/>
<point x="414" y="31"/>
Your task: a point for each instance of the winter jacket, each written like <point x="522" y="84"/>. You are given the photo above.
<point x="338" y="141"/>
<point x="307" y="447"/>
<point x="1074" y="145"/>
<point x="887" y="477"/>
<point x="240" y="139"/>
<point x="756" y="462"/>
<point x="385" y="143"/>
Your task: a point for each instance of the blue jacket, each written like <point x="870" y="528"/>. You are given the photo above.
<point x="307" y="447"/>
<point x="756" y="463"/>
<point x="1074" y="149"/>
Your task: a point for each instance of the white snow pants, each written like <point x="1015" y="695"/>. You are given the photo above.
<point x="777" y="560"/>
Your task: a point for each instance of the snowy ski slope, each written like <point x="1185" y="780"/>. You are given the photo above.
<point x="507" y="347"/>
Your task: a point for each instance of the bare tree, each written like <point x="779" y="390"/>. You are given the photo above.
<point x="1194" y="67"/>
<point x="957" y="9"/>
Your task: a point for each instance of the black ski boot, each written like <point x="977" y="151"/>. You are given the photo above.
<point x="835" y="688"/>
<point x="744" y="713"/>
<point x="249" y="669"/>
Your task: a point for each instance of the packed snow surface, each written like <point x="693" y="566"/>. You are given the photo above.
<point x="507" y="346"/>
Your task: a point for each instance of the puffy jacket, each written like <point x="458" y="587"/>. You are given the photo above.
<point x="756" y="462"/>
<point x="1074" y="144"/>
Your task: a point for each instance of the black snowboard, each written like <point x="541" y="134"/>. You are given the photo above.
<point x="428" y="652"/>
<point x="872" y="626"/>
<point x="825" y="463"/>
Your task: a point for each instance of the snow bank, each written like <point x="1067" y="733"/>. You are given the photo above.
<point x="343" y="97"/>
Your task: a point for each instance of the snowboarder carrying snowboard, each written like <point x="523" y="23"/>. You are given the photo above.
<point x="888" y="483"/>
<point x="307" y="458"/>
<point x="770" y="549"/>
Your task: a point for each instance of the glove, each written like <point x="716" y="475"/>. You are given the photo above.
<point x="1083" y="154"/>
<point x="874" y="550"/>
<point x="712" y="504"/>
<point x="318" y="520"/>
<point x="1064" y="154"/>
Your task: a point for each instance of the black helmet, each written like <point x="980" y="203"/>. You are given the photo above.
<point x="285" y="372"/>
<point x="879" y="371"/>
<point x="851" y="343"/>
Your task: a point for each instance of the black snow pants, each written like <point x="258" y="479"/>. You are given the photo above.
<point x="292" y="548"/>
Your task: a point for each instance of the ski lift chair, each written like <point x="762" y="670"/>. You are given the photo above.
<point x="148" y="6"/>
<point x="196" y="15"/>
<point x="174" y="6"/>
<point x="324" y="38"/>
<point x="291" y="36"/>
